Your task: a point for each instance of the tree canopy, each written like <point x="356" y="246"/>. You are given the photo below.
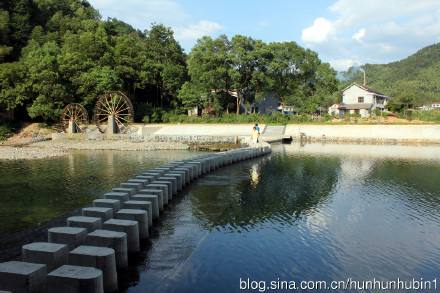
<point x="251" y="68"/>
<point x="54" y="52"/>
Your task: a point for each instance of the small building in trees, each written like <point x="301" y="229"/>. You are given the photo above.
<point x="287" y="109"/>
<point x="267" y="104"/>
<point x="194" y="111"/>
<point x="430" y="106"/>
<point x="359" y="99"/>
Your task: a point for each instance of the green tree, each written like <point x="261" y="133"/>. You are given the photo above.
<point x="166" y="64"/>
<point x="43" y="82"/>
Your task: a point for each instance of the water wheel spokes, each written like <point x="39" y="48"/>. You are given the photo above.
<point x="74" y="116"/>
<point x="113" y="107"/>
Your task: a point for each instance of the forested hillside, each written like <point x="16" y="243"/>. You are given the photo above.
<point x="412" y="81"/>
<point x="55" y="52"/>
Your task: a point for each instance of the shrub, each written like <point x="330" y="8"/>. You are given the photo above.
<point x="5" y="131"/>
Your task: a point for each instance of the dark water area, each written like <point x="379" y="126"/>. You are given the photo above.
<point x="314" y="213"/>
<point x="37" y="194"/>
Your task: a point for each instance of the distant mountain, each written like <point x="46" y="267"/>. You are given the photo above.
<point x="414" y="79"/>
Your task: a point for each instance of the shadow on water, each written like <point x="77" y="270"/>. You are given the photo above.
<point x="37" y="194"/>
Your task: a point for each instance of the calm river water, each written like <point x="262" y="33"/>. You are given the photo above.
<point x="313" y="212"/>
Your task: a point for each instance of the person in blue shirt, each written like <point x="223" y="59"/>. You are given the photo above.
<point x="257" y="128"/>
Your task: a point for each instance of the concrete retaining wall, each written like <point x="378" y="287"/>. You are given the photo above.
<point x="427" y="133"/>
<point x="379" y="133"/>
<point x="207" y="129"/>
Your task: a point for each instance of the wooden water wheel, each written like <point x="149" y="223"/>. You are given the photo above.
<point x="114" y="107"/>
<point x="75" y="116"/>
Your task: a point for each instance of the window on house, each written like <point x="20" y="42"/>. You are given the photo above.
<point x="360" y="99"/>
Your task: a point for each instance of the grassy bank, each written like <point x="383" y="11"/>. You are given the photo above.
<point x="417" y="117"/>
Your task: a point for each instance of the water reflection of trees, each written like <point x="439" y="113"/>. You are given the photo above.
<point x="419" y="179"/>
<point x="280" y="189"/>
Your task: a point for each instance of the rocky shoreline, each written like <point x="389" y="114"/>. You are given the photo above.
<point x="50" y="149"/>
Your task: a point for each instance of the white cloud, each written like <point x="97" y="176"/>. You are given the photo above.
<point x="198" y="30"/>
<point x="359" y="35"/>
<point x="319" y="32"/>
<point x="343" y="64"/>
<point x="374" y="31"/>
<point x="141" y="13"/>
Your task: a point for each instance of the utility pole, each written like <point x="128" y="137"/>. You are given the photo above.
<point x="365" y="76"/>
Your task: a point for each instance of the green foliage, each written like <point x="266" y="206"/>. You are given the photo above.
<point x="428" y="116"/>
<point x="275" y="118"/>
<point x="252" y="69"/>
<point x="5" y="131"/>
<point x="53" y="52"/>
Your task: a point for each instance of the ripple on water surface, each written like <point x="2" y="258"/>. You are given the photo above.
<point x="301" y="215"/>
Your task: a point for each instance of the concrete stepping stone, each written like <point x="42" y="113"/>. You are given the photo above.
<point x="162" y="187"/>
<point x="130" y="191"/>
<point x="121" y="196"/>
<point x="23" y="277"/>
<point x="135" y="186"/>
<point x="173" y="181"/>
<point x="144" y="182"/>
<point x="151" y="198"/>
<point x="110" y="239"/>
<point x="53" y="255"/>
<point x="140" y="216"/>
<point x="169" y="185"/>
<point x="188" y="172"/>
<point x="154" y="174"/>
<point x="102" y="258"/>
<point x="198" y="166"/>
<point x="103" y="213"/>
<point x="131" y="228"/>
<point x="149" y="178"/>
<point x="90" y="223"/>
<point x="158" y="192"/>
<point x="141" y="205"/>
<point x="183" y="173"/>
<point x="192" y="169"/>
<point x="114" y="204"/>
<point x="75" y="279"/>
<point x="179" y="178"/>
<point x="72" y="236"/>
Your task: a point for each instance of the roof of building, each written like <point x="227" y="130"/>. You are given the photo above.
<point x="368" y="89"/>
<point x="357" y="106"/>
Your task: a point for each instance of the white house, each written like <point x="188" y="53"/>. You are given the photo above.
<point x="432" y="106"/>
<point x="359" y="99"/>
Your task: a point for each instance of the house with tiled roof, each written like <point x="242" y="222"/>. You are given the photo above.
<point x="359" y="99"/>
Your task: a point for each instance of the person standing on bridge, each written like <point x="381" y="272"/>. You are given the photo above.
<point x="255" y="134"/>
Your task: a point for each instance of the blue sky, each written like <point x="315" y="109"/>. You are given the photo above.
<point x="343" y="32"/>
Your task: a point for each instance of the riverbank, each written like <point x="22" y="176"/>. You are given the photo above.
<point x="50" y="149"/>
<point x="373" y="134"/>
<point x="209" y="137"/>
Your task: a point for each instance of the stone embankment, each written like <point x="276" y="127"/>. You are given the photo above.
<point x="86" y="254"/>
